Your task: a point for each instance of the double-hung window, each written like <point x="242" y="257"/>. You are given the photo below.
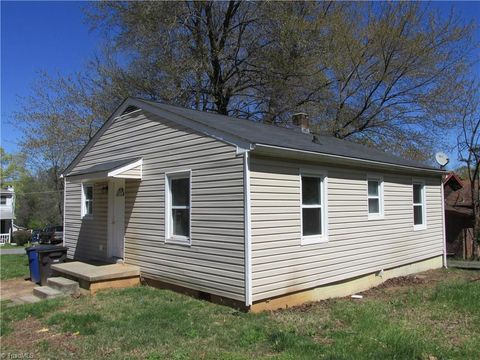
<point x="375" y="198"/>
<point x="87" y="200"/>
<point x="3" y="200"/>
<point x="178" y="208"/>
<point x="419" y="213"/>
<point x="313" y="209"/>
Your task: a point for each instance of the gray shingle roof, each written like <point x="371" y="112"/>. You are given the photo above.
<point x="259" y="133"/>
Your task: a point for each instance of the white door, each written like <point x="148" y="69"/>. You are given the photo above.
<point x="116" y="219"/>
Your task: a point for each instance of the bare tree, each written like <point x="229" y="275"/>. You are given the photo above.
<point x="57" y="121"/>
<point x="380" y="73"/>
<point x="469" y="151"/>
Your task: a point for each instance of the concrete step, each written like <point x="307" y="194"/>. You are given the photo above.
<point x="28" y="299"/>
<point x="46" y="292"/>
<point x="64" y="285"/>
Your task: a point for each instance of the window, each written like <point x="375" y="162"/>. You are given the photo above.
<point x="87" y="200"/>
<point x="3" y="200"/>
<point x="313" y="212"/>
<point x="419" y="219"/>
<point x="178" y="214"/>
<point x="375" y="198"/>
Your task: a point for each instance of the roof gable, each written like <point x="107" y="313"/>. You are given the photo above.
<point x="454" y="181"/>
<point x="129" y="105"/>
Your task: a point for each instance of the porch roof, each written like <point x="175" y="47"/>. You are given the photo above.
<point x="123" y="169"/>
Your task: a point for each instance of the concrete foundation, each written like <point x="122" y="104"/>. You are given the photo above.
<point x="347" y="287"/>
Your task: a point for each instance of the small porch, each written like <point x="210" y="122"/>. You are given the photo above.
<point x="5" y="239"/>
<point x="97" y="233"/>
<point x="98" y="277"/>
<point x="6" y="227"/>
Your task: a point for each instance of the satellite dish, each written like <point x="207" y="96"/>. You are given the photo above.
<point x="442" y="158"/>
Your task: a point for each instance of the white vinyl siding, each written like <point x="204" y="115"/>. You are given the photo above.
<point x="355" y="247"/>
<point x="91" y="232"/>
<point x="214" y="263"/>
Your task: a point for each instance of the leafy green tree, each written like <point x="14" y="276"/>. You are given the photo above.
<point x="37" y="201"/>
<point x="12" y="167"/>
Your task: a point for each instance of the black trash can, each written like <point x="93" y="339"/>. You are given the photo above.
<point x="48" y="255"/>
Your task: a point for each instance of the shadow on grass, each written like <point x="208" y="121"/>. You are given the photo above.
<point x="150" y="323"/>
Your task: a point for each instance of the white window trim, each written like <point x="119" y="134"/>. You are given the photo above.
<point x="169" y="238"/>
<point x="424" y="205"/>
<point x="322" y="238"/>
<point x="83" y="207"/>
<point x="381" y="214"/>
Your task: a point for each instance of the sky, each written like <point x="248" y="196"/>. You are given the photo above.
<point x="53" y="37"/>
<point x="38" y="36"/>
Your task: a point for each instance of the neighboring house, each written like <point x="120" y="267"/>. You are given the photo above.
<point x="261" y="215"/>
<point x="19" y="228"/>
<point x="458" y="216"/>
<point x="7" y="214"/>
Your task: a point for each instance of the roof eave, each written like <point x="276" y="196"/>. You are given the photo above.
<point x="277" y="151"/>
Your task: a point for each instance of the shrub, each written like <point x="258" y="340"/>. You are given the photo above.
<point x="21" y="237"/>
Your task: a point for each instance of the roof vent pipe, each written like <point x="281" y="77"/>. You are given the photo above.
<point x="301" y="120"/>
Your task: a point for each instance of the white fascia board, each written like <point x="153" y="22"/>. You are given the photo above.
<point x="278" y="150"/>
<point x="118" y="172"/>
<point x="96" y="176"/>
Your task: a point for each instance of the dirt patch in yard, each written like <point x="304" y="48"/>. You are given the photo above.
<point x="15" y="288"/>
<point x="421" y="280"/>
<point x="39" y="336"/>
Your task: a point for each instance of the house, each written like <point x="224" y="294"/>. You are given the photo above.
<point x="7" y="214"/>
<point x="458" y="216"/>
<point x="255" y="214"/>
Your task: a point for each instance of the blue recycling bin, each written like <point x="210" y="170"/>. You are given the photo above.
<point x="33" y="263"/>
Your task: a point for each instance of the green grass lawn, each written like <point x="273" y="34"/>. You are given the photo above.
<point x="438" y="319"/>
<point x="10" y="246"/>
<point x="13" y="266"/>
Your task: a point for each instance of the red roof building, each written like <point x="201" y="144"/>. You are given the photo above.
<point x="458" y="216"/>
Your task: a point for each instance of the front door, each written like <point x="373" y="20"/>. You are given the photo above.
<point x="116" y="219"/>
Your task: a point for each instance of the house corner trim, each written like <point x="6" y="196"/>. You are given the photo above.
<point x="248" y="229"/>
<point x="444" y="235"/>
